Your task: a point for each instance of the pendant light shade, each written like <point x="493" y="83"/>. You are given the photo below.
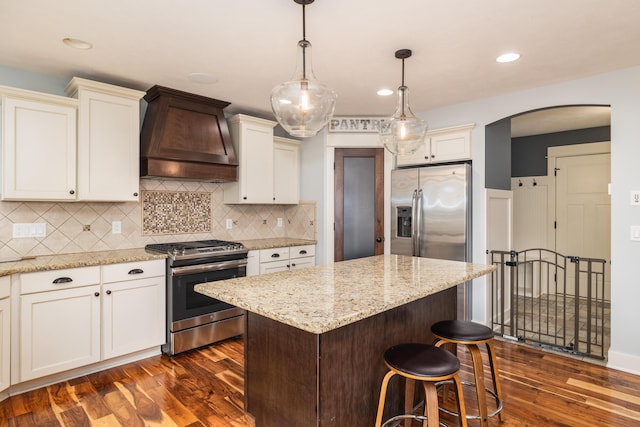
<point x="403" y="133"/>
<point x="303" y="105"/>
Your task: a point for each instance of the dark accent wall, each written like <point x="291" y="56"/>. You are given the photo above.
<point x="497" y="137"/>
<point x="529" y="153"/>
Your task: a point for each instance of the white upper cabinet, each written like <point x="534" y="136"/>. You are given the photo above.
<point x="108" y="140"/>
<point x="286" y="171"/>
<point x="253" y="142"/>
<point x="441" y="145"/>
<point x="57" y="148"/>
<point x="268" y="171"/>
<point x="38" y="146"/>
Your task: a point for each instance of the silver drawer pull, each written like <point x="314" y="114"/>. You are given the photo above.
<point x="60" y="280"/>
<point x="136" y="271"/>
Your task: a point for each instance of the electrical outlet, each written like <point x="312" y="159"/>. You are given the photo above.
<point x="116" y="227"/>
<point x="33" y="229"/>
<point x="279" y="222"/>
<point x="229" y="223"/>
<point x="635" y="198"/>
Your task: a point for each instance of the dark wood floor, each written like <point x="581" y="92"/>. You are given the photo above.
<point x="204" y="388"/>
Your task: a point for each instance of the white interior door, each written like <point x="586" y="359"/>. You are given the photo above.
<point x="583" y="209"/>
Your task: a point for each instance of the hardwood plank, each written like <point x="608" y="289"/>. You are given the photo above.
<point x="75" y="417"/>
<point x="541" y="389"/>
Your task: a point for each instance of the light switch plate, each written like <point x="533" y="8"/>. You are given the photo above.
<point x="635" y="233"/>
<point x="229" y="223"/>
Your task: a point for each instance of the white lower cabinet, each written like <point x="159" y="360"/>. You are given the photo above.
<point x="59" y="321"/>
<point x="253" y="263"/>
<point x="302" y="256"/>
<point x="5" y="333"/>
<point x="133" y="307"/>
<point x="289" y="258"/>
<point x="71" y="318"/>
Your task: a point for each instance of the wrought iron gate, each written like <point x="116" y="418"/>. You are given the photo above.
<point x="545" y="298"/>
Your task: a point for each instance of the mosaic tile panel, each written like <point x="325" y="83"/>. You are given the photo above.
<point x="175" y="212"/>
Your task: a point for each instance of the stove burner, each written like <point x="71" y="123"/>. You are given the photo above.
<point x="197" y="248"/>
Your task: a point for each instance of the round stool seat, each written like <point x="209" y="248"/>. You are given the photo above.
<point x="461" y="330"/>
<point x="421" y="360"/>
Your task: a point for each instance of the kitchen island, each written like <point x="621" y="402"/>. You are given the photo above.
<point x="315" y="337"/>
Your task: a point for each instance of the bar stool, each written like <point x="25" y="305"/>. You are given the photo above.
<point x="470" y="335"/>
<point x="428" y="364"/>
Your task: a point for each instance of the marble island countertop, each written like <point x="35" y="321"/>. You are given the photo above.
<point x="326" y="297"/>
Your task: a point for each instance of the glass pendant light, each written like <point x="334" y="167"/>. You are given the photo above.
<point x="404" y="132"/>
<point x="303" y="105"/>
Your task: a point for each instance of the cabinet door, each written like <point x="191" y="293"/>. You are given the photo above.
<point x="275" y="266"/>
<point x="38" y="150"/>
<point x="420" y="157"/>
<point x="133" y="316"/>
<point x="256" y="164"/>
<point x="451" y="146"/>
<point x="253" y="263"/>
<point x="59" y="330"/>
<point x="299" y="263"/>
<point x="286" y="169"/>
<point x="5" y="343"/>
<point x="108" y="147"/>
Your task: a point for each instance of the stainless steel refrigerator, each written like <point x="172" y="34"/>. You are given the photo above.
<point x="431" y="217"/>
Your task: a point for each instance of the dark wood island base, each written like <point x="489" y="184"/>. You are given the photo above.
<point x="302" y="379"/>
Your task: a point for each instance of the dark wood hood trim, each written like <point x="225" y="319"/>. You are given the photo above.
<point x="186" y="136"/>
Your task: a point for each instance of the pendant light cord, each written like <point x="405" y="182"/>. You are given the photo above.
<point x="403" y="88"/>
<point x="304" y="48"/>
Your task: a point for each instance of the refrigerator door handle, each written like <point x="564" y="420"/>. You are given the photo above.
<point x="418" y="221"/>
<point x="414" y="233"/>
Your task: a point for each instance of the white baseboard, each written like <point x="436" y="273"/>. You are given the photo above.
<point x="78" y="372"/>
<point x="623" y="362"/>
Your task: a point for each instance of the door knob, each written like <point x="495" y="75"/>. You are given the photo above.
<point x="379" y="239"/>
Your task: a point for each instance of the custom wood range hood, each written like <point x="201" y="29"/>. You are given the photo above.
<point x="186" y="136"/>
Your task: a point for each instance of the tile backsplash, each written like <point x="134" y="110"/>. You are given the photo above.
<point x="168" y="210"/>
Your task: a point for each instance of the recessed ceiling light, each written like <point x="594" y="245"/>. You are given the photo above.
<point x="385" y="92"/>
<point x="77" y="43"/>
<point x="204" y="78"/>
<point x="508" y="57"/>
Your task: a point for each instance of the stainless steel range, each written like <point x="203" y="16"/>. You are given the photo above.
<point x="193" y="319"/>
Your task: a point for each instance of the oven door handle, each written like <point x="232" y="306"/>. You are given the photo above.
<point x="203" y="268"/>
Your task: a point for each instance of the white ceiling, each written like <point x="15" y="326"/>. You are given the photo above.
<point x="250" y="46"/>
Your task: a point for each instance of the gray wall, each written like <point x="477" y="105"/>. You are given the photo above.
<point x="498" y="155"/>
<point x="528" y="153"/>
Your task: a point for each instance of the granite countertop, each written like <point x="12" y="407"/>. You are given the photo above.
<point x="322" y="298"/>
<point x="279" y="242"/>
<point x="84" y="259"/>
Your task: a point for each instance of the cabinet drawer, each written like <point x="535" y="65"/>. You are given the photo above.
<point x="44" y="281"/>
<point x="5" y="286"/>
<point x="274" y="254"/>
<point x="303" y="251"/>
<point x="133" y="270"/>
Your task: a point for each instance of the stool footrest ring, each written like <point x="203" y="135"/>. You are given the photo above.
<point x="390" y="422"/>
<point x="471" y="416"/>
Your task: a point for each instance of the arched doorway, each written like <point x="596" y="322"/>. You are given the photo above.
<point x="555" y="164"/>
